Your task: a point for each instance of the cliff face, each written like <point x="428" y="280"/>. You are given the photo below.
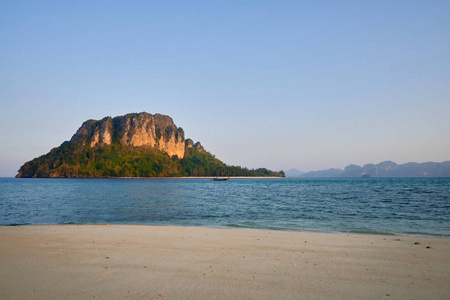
<point x="137" y="130"/>
<point x="134" y="145"/>
<point x="198" y="146"/>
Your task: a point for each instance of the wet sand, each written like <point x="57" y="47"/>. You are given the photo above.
<point x="151" y="262"/>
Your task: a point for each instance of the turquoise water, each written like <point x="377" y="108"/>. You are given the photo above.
<point x="383" y="206"/>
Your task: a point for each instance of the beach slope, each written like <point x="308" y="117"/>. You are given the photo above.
<point x="150" y="262"/>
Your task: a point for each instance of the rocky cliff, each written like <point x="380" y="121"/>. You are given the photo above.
<point x="198" y="146"/>
<point x="134" y="145"/>
<point x="136" y="130"/>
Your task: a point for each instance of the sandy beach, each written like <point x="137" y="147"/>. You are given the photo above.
<point x="150" y="262"/>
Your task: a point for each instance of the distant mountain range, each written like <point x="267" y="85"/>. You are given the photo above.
<point x="294" y="173"/>
<point x="383" y="169"/>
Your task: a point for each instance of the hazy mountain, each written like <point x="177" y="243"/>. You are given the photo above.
<point x="388" y="169"/>
<point x="324" y="173"/>
<point x="294" y="173"/>
<point x="391" y="169"/>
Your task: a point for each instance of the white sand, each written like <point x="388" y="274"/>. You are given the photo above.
<point x="146" y="262"/>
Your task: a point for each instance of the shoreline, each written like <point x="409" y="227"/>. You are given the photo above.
<point x="293" y="230"/>
<point x="173" y="262"/>
<point x="185" y="177"/>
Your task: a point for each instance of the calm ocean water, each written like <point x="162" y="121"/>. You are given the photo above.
<point x="385" y="206"/>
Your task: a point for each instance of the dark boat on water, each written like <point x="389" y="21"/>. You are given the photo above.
<point x="221" y="179"/>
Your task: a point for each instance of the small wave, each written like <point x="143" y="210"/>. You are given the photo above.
<point x="17" y="224"/>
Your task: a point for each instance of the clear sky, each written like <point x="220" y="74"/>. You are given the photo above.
<point x="278" y="84"/>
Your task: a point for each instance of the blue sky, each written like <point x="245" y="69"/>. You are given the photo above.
<point x="278" y="84"/>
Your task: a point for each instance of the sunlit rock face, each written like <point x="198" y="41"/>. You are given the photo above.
<point x="198" y="146"/>
<point x="189" y="143"/>
<point x="137" y="130"/>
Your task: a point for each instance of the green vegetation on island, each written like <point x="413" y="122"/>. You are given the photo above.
<point x="134" y="145"/>
<point x="73" y="161"/>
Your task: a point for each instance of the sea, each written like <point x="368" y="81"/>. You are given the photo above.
<point x="387" y="206"/>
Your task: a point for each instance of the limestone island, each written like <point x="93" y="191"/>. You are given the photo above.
<point x="134" y="145"/>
